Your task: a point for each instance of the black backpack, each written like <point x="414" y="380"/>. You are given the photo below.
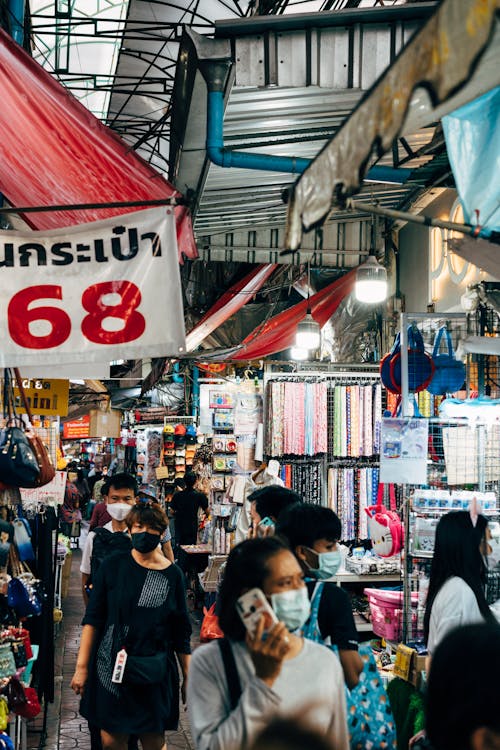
<point x="104" y="544"/>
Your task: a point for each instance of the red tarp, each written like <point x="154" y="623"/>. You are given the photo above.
<point x="230" y="302"/>
<point x="53" y="151"/>
<point x="279" y="332"/>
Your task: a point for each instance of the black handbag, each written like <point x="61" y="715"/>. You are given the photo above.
<point x="18" y="463"/>
<point x="146" y="670"/>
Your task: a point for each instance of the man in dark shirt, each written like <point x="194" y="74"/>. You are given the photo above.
<point x="185" y="506"/>
<point x="313" y="532"/>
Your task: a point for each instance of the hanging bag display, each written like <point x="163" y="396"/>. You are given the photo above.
<point x="47" y="469"/>
<point x="22" y="538"/>
<point x="31" y="707"/>
<point x="18" y="464"/>
<point x="385" y="526"/>
<point x="370" y="721"/>
<point x="449" y="373"/>
<point x="7" y="663"/>
<point x="385" y="367"/>
<point x="420" y="364"/>
<point x="22" y="593"/>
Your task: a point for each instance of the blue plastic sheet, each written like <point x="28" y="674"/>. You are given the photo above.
<point x="472" y="136"/>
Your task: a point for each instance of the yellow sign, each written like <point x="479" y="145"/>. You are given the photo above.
<point x="45" y="397"/>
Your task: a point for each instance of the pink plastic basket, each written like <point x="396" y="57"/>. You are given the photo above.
<point x="386" y="609"/>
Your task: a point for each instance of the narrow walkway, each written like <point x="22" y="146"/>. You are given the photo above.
<point x="66" y="729"/>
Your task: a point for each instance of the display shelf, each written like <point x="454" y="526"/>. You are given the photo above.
<point x="367" y="578"/>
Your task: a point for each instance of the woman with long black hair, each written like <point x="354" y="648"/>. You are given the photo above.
<point x="456" y="586"/>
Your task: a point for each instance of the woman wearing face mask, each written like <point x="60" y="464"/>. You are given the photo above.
<point x="137" y="608"/>
<point x="312" y="532"/>
<point x="273" y="673"/>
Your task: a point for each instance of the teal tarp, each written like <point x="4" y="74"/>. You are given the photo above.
<point x="473" y="141"/>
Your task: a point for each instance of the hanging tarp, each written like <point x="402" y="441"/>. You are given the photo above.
<point x="228" y="304"/>
<point x="53" y="151"/>
<point x="279" y="332"/>
<point x="482" y="253"/>
<point x="440" y="57"/>
<point x="472" y="136"/>
<point x="91" y="293"/>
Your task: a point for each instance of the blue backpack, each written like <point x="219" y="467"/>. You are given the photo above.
<point x="370" y="721"/>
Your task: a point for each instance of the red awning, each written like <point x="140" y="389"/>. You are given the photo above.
<point x="229" y="303"/>
<point x="53" y="151"/>
<point x="279" y="332"/>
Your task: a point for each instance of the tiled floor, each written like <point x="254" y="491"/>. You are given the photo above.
<point x="66" y="729"/>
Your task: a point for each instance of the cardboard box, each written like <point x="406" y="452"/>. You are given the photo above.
<point x="409" y="665"/>
<point x="105" y="423"/>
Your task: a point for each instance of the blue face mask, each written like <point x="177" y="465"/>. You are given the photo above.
<point x="292" y="607"/>
<point x="328" y="564"/>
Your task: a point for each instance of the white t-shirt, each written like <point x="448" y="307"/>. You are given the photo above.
<point x="311" y="684"/>
<point x="454" y="605"/>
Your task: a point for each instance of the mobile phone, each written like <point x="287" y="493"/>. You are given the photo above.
<point x="265" y="527"/>
<point x="251" y="607"/>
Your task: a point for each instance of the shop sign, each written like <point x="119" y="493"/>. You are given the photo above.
<point x="88" y="293"/>
<point x="45" y="397"/>
<point x="77" y="428"/>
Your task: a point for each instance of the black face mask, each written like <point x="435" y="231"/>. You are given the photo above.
<point x="144" y="541"/>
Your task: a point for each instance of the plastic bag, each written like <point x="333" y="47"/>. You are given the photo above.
<point x="210" y="629"/>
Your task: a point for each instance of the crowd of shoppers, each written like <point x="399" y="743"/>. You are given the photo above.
<point x="268" y="688"/>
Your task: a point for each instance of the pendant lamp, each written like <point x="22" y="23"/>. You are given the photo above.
<point x="308" y="334"/>
<point x="371" y="278"/>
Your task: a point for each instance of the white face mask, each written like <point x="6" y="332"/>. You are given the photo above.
<point x="118" y="511"/>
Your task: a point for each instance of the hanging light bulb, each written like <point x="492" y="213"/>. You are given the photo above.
<point x="371" y="278"/>
<point x="299" y="354"/>
<point x="308" y="335"/>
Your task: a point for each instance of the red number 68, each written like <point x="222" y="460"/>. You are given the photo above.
<point x="20" y="315"/>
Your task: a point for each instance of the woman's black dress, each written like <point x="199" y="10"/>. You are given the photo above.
<point x="144" y="611"/>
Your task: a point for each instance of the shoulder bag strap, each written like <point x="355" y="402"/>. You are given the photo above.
<point x="20" y="387"/>
<point x="437" y="341"/>
<point x="232" y="677"/>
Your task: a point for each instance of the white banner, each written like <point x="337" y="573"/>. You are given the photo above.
<point x="95" y="292"/>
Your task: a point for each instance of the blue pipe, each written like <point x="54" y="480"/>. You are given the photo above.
<point x="176" y="373"/>
<point x="195" y="397"/>
<point x="16" y="16"/>
<point x="224" y="157"/>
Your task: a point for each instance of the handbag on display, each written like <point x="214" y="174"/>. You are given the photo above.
<point x="19" y="651"/>
<point x="7" y="663"/>
<point x="18" y="634"/>
<point x="18" y="464"/>
<point x="23" y="594"/>
<point x="31" y="707"/>
<point x="6" y="742"/>
<point x="420" y="364"/>
<point x="22" y="538"/>
<point x="370" y="721"/>
<point x="15" y="694"/>
<point x="449" y="373"/>
<point x="385" y="526"/>
<point x="45" y="465"/>
<point x="4" y="714"/>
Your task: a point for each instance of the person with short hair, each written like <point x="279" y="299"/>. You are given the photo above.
<point x="138" y="605"/>
<point x="313" y="533"/>
<point x="463" y="692"/>
<point x="185" y="506"/>
<point x="279" y="673"/>
<point x="119" y="498"/>
<point x="269" y="503"/>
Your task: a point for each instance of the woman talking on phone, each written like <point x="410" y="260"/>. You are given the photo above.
<point x="263" y="668"/>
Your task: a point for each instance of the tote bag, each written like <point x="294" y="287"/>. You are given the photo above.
<point x="370" y="721"/>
